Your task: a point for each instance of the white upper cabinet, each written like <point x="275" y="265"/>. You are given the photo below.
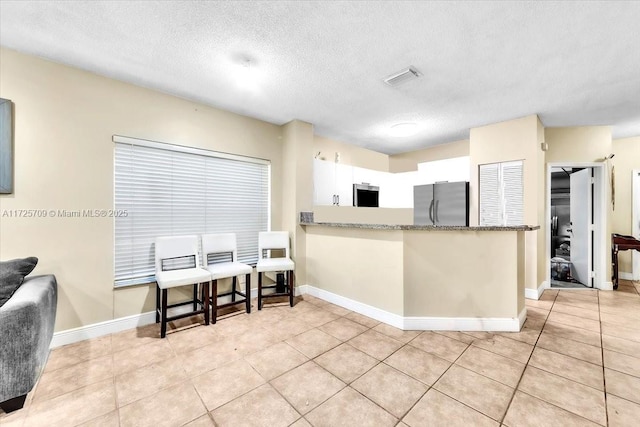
<point x="451" y="170"/>
<point x="332" y="183"/>
<point x="367" y="176"/>
<point x="344" y="185"/>
<point x="323" y="182"/>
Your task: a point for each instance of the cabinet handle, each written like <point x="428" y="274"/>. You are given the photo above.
<point x="431" y="211"/>
<point x="338" y="197"/>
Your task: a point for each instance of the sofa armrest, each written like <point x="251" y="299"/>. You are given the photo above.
<point x="26" y="328"/>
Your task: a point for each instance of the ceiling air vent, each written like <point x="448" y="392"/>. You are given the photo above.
<point x="400" y="77"/>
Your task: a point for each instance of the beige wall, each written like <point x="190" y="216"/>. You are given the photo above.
<point x="517" y="139"/>
<point x="502" y="142"/>
<point x="350" y="154"/>
<point x="297" y="188"/>
<point x="350" y="214"/>
<point x="64" y="122"/>
<point x="407" y="162"/>
<point x="418" y="273"/>
<point x="363" y="265"/>
<point x="578" y="144"/>
<point x="627" y="159"/>
<point x="481" y="277"/>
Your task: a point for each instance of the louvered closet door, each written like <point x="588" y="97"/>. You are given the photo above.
<point x="512" y="193"/>
<point x="501" y="194"/>
<point x="490" y="195"/>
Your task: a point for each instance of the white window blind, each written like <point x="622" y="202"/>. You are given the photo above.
<point x="501" y="194"/>
<point x="171" y="190"/>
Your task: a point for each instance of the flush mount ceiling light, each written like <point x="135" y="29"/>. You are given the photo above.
<point x="403" y="129"/>
<point x="247" y="74"/>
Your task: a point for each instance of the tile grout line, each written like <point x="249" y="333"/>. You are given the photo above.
<point x="604" y="377"/>
<point x="410" y="376"/>
<point x="559" y="407"/>
<point x="348" y="385"/>
<point x="438" y="379"/>
<point x="115" y="389"/>
<point x="515" y="389"/>
<point x="303" y="416"/>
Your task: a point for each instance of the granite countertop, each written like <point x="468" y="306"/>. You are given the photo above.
<point x="420" y="227"/>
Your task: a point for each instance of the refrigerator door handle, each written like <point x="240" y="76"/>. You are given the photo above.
<point x="437" y="202"/>
<point x="431" y="211"/>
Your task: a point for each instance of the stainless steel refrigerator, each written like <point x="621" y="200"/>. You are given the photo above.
<point x="442" y="203"/>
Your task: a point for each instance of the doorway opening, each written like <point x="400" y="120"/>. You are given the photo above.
<point x="575" y="237"/>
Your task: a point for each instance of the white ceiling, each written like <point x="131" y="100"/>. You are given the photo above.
<point x="572" y="63"/>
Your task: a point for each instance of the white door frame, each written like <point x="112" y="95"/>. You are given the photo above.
<point x="635" y="221"/>
<point x="600" y="241"/>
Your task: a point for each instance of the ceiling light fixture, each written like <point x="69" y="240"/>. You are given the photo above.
<point x="246" y="75"/>
<point x="400" y="130"/>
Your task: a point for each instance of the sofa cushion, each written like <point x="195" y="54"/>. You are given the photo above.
<point x="12" y="275"/>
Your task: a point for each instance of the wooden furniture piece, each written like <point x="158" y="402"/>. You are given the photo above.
<point x="269" y="241"/>
<point x="217" y="246"/>
<point x="178" y="264"/>
<point x="619" y="243"/>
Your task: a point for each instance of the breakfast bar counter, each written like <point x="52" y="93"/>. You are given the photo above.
<point x="421" y="277"/>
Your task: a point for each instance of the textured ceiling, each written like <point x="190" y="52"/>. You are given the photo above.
<point x="572" y="63"/>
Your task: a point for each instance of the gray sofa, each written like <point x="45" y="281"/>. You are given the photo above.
<point x="26" y="328"/>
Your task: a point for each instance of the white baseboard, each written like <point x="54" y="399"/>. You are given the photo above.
<point x="624" y="275"/>
<point x="421" y="323"/>
<point x="535" y="293"/>
<point x="358" y="307"/>
<point x="107" y="327"/>
<point x="522" y="317"/>
<point x="100" y="329"/>
<point x="498" y="324"/>
<point x="605" y="286"/>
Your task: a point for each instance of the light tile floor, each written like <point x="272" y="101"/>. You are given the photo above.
<point x="575" y="362"/>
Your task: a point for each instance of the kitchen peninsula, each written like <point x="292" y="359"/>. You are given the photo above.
<point x="420" y="277"/>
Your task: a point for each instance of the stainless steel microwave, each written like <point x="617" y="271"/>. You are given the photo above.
<point x="365" y="195"/>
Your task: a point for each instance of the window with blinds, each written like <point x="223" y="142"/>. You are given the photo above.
<point x="171" y="190"/>
<point x="501" y="194"/>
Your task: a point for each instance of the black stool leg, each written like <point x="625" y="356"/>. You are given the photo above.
<point x="259" y="291"/>
<point x="291" y="287"/>
<point x="157" y="303"/>
<point x="195" y="297"/>
<point x="247" y="291"/>
<point x="234" y="283"/>
<point x="205" y="302"/>
<point x="214" y="301"/>
<point x="163" y="325"/>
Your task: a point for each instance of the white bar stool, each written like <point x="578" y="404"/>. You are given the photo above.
<point x="218" y="245"/>
<point x="274" y="240"/>
<point x="178" y="264"/>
